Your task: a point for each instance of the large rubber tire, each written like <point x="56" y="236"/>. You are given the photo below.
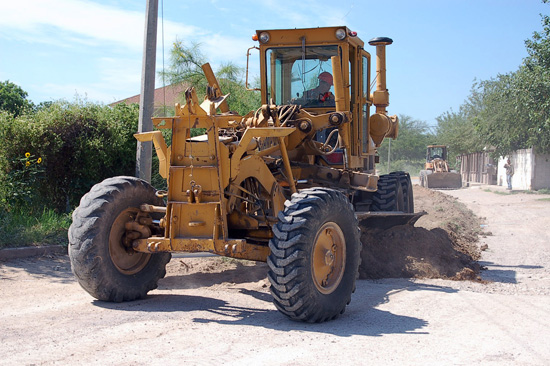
<point x="102" y="265"/>
<point x="315" y="256"/>
<point x="389" y="196"/>
<point x="408" y="195"/>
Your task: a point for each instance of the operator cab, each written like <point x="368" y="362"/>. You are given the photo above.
<point x="436" y="152"/>
<point x="301" y="76"/>
<point x="296" y="70"/>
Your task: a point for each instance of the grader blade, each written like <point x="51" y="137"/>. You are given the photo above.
<point x="384" y="220"/>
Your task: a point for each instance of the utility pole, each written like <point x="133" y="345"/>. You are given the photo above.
<point x="389" y="152"/>
<point x="147" y="99"/>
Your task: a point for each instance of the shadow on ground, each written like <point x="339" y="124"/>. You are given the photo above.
<point x="501" y="273"/>
<point x="361" y="317"/>
<point x="55" y="268"/>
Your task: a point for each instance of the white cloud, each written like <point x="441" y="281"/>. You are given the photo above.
<point x="308" y="13"/>
<point x="224" y="48"/>
<point x="110" y="38"/>
<point x="53" y="91"/>
<point x="118" y="78"/>
<point x="119" y="75"/>
<point x="77" y="21"/>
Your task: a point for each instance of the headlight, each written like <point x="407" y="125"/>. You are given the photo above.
<point x="341" y="34"/>
<point x="264" y="37"/>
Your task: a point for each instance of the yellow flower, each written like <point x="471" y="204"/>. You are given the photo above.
<point x="27" y="163"/>
<point x="39" y="161"/>
<point x="28" y="155"/>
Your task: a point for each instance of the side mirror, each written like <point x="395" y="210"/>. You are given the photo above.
<point x="247" y="60"/>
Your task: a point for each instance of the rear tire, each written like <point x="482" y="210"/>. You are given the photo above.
<point x="103" y="266"/>
<point x="315" y="256"/>
<point x="389" y="196"/>
<point x="408" y="194"/>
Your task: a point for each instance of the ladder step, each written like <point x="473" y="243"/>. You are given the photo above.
<point x="193" y="203"/>
<point x="194" y="167"/>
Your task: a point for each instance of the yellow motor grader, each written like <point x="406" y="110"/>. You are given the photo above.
<point x="289" y="184"/>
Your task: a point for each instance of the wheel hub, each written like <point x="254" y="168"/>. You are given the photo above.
<point x="329" y="257"/>
<point x="125" y="259"/>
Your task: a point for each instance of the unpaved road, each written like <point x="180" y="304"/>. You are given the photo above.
<point x="209" y="318"/>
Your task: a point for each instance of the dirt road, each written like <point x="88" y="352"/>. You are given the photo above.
<point x="201" y="315"/>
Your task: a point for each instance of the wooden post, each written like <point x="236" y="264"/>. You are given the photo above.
<point x="147" y="99"/>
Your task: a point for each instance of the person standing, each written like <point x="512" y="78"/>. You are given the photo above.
<point x="509" y="173"/>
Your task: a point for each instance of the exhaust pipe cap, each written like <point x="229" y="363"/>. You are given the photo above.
<point x="381" y="41"/>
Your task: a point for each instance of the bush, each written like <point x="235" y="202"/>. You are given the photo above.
<point x="79" y="144"/>
<point x="21" y="183"/>
<point x="413" y="167"/>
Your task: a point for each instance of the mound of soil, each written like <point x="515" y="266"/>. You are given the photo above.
<point x="443" y="244"/>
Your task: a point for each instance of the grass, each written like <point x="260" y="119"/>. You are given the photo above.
<point x="540" y="191"/>
<point x="506" y="193"/>
<point x="22" y="228"/>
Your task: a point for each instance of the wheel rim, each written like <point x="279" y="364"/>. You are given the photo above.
<point x="329" y="258"/>
<point x="126" y="260"/>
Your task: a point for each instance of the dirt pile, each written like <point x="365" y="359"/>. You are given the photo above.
<point x="443" y="244"/>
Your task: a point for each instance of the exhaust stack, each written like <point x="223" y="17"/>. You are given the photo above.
<point x="382" y="125"/>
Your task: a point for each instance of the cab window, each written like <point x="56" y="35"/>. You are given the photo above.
<point x="303" y="76"/>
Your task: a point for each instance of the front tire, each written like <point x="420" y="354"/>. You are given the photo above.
<point x="314" y="256"/>
<point x="105" y="267"/>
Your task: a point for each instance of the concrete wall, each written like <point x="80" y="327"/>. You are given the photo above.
<point x="531" y="170"/>
<point x="542" y="171"/>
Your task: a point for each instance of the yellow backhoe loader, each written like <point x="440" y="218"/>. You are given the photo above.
<point x="290" y="183"/>
<point x="436" y="173"/>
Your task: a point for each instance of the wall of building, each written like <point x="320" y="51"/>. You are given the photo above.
<point x="478" y="168"/>
<point x="531" y="170"/>
<point x="542" y="171"/>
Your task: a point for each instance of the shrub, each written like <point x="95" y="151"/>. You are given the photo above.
<point x="20" y="185"/>
<point x="79" y="143"/>
<point x="413" y="167"/>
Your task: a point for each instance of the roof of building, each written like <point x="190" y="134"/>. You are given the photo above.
<point x="168" y="95"/>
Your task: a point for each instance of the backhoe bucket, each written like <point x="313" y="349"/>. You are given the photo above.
<point x="444" y="180"/>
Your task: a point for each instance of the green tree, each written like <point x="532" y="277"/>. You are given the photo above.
<point x="408" y="151"/>
<point x="185" y="67"/>
<point x="13" y="99"/>
<point x="532" y="87"/>
<point x="500" y="122"/>
<point x="457" y="130"/>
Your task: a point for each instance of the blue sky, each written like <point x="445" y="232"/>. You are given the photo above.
<point x="56" y="49"/>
